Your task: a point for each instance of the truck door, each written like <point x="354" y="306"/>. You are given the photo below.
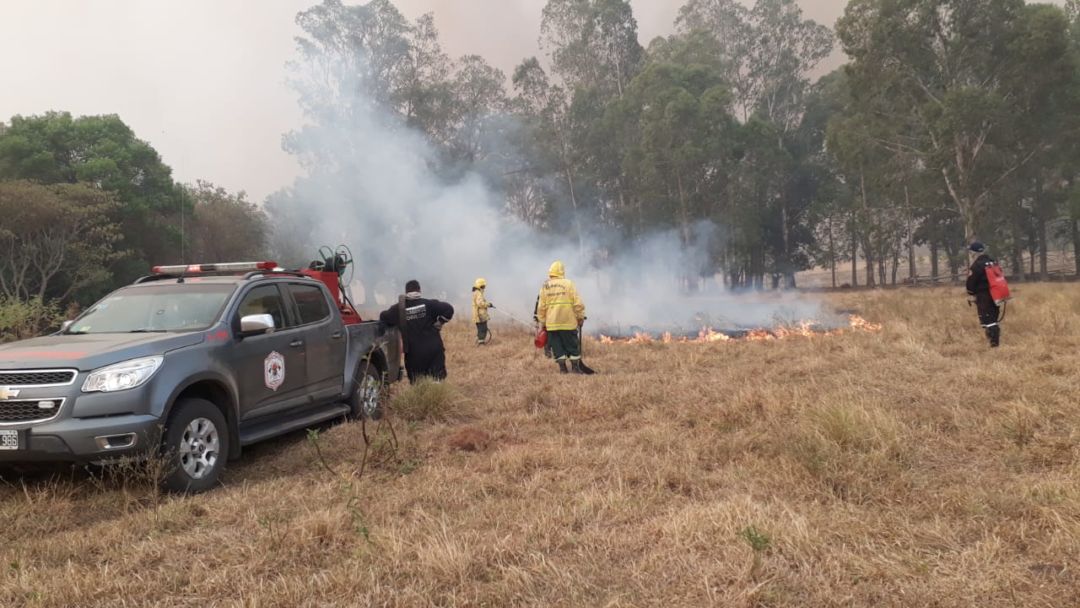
<point x="271" y="369"/>
<point x="324" y="335"/>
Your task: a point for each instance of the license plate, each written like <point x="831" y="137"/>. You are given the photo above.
<point x="9" y="440"/>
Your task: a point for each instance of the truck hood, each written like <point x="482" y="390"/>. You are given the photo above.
<point x="90" y="351"/>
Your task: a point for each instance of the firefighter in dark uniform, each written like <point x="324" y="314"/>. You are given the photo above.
<point x="420" y="321"/>
<point x="978" y="287"/>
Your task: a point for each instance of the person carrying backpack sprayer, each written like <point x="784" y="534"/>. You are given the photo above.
<point x="986" y="284"/>
<point x="562" y="314"/>
<point x="480" y="314"/>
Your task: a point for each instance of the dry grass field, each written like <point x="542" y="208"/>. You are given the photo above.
<point x="910" y="467"/>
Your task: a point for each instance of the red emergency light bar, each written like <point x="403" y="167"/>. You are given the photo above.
<point x="226" y="267"/>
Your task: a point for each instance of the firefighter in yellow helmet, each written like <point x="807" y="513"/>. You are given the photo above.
<point x="480" y="315"/>
<point x="562" y="312"/>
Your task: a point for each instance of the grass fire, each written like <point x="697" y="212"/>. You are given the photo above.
<point x="709" y="335"/>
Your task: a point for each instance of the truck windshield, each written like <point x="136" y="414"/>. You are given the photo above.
<point x="157" y="308"/>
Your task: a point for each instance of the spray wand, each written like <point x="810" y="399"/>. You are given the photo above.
<point x="512" y="317"/>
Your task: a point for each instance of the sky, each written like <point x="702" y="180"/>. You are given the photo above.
<point x="204" y="80"/>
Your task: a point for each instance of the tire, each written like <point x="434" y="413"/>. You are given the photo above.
<point x="366" y="399"/>
<point x="195" y="447"/>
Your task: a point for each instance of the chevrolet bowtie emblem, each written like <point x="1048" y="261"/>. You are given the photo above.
<point x="8" y="393"/>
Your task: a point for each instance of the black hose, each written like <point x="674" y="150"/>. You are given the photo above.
<point x="1004" y="307"/>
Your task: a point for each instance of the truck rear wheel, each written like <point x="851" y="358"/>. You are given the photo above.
<point x="366" y="400"/>
<point x="195" y="447"/>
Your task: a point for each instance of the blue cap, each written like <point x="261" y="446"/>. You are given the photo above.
<point x="977" y="247"/>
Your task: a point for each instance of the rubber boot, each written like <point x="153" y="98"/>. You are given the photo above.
<point x="576" y="365"/>
<point x="584" y="369"/>
<point x="995" y="336"/>
<point x="562" y="367"/>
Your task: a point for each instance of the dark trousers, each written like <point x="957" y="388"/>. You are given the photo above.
<point x="481" y="331"/>
<point x="565" y="344"/>
<point x="989" y="313"/>
<point x="426" y="365"/>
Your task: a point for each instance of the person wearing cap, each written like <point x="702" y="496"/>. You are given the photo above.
<point x="562" y="312"/>
<point x="420" y="321"/>
<point x="480" y="314"/>
<point x="978" y="287"/>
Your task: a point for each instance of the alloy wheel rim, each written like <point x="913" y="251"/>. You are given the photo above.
<point x="200" y="448"/>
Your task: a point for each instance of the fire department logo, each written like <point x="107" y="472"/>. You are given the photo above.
<point x="274" y="371"/>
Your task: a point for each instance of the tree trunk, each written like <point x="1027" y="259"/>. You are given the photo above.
<point x="1018" y="262"/>
<point x="954" y="256"/>
<point x="757" y="267"/>
<point x="1075" y="225"/>
<point x="895" y="264"/>
<point x="785" y="263"/>
<point x="855" y="261"/>
<point x="1044" y="270"/>
<point x="869" y="265"/>
<point x="933" y="259"/>
<point x="577" y="218"/>
<point x="912" y="272"/>
<point x="1040" y="218"/>
<point x="832" y="252"/>
<point x="866" y="238"/>
<point x="684" y="219"/>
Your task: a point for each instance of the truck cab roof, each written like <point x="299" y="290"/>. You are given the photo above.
<point x="223" y="278"/>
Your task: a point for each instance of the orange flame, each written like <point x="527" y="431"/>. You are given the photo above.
<point x="862" y="324"/>
<point x="708" y="335"/>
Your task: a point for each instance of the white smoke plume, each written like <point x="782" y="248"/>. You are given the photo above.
<point x="371" y="185"/>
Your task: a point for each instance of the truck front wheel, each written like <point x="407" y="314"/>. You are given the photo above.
<point x="366" y="400"/>
<point x="196" y="446"/>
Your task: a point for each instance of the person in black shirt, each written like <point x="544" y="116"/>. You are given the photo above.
<point x="979" y="287"/>
<point x="420" y="321"/>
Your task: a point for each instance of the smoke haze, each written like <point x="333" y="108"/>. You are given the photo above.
<point x="371" y="185"/>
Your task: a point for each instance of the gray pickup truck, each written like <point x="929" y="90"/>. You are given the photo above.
<point x="192" y="368"/>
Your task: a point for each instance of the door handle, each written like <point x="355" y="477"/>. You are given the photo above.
<point x="296" y="343"/>
<point x="336" y="335"/>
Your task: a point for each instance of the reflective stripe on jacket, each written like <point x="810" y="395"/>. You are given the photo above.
<point x="560" y="306"/>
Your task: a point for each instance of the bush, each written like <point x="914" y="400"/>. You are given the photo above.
<point x="425" y="400"/>
<point x="21" y="319"/>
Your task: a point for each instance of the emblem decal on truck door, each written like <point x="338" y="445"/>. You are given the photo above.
<point x="274" y="371"/>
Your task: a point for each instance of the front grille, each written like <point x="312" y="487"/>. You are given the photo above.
<point x="36" y="378"/>
<point x="27" y="411"/>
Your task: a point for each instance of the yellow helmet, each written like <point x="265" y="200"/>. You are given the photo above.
<point x="479" y="284"/>
<point x="557" y="270"/>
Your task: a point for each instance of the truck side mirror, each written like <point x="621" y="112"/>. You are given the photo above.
<point x="256" y="324"/>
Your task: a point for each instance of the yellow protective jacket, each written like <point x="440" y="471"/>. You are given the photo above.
<point x="480" y="307"/>
<point x="560" y="307"/>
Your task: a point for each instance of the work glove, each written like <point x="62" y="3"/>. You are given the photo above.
<point x="490" y="305"/>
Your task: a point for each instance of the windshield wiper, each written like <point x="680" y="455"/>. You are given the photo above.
<point x="146" y="330"/>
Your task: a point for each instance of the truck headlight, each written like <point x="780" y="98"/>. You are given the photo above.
<point x="122" y="376"/>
